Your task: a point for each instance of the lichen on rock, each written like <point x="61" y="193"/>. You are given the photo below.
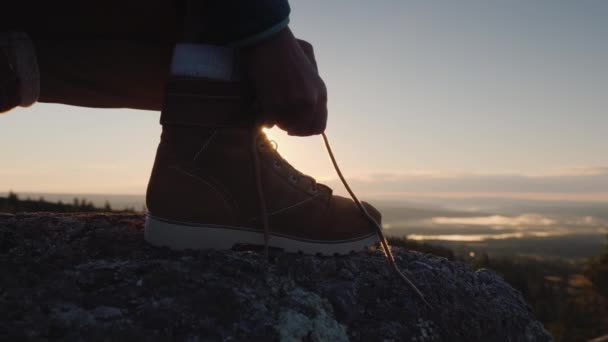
<point x="308" y="316"/>
<point x="92" y="277"/>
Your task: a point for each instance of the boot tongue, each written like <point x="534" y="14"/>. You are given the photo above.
<point x="273" y="147"/>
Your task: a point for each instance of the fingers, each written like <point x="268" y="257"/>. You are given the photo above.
<point x="300" y="120"/>
<point x="308" y="51"/>
<point x="320" y="115"/>
<point x="307" y="122"/>
<point x="317" y="114"/>
<point x="287" y="85"/>
<point x="306" y="114"/>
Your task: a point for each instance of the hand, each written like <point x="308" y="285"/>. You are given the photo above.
<point x="287" y="86"/>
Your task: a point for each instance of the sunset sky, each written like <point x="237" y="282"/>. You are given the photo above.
<point x="441" y="98"/>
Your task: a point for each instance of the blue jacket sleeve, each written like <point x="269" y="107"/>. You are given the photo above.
<point x="237" y="22"/>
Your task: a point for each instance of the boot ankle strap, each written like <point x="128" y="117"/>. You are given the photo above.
<point x="207" y="103"/>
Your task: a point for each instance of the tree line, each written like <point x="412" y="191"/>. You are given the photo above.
<point x="14" y="204"/>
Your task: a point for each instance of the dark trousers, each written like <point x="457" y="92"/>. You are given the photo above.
<point x="100" y="54"/>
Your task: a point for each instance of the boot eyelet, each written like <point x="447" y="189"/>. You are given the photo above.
<point x="276" y="164"/>
<point x="293" y="179"/>
<point x="314" y="190"/>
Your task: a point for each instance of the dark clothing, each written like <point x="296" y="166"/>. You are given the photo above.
<point x="228" y="21"/>
<point x="117" y="53"/>
<point x="104" y="73"/>
<point x="209" y="21"/>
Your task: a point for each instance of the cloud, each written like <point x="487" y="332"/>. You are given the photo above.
<point x="484" y="237"/>
<point x="497" y="220"/>
<point x="573" y="172"/>
<point x="591" y="183"/>
<point x="491" y="227"/>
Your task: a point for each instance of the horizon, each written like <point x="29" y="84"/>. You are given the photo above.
<point x="545" y="228"/>
<point x="401" y="199"/>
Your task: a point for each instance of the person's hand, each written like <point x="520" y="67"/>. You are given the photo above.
<point x="287" y="86"/>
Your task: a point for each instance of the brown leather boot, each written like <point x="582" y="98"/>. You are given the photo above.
<point x="216" y="177"/>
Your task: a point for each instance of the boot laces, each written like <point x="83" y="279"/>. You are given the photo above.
<point x="295" y="176"/>
<point x="264" y="212"/>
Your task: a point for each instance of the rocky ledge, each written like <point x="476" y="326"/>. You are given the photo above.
<point x="92" y="277"/>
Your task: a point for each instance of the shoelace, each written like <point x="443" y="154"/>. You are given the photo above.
<point x="296" y="175"/>
<point x="378" y="228"/>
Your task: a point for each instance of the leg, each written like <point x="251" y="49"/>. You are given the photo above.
<point x="106" y="54"/>
<point x="103" y="73"/>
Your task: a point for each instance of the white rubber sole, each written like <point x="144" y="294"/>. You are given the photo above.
<point x="182" y="235"/>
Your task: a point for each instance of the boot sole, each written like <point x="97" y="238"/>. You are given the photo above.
<point x="181" y="235"/>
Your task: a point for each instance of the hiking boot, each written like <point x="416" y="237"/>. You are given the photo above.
<point x="19" y="80"/>
<point x="218" y="182"/>
<point x="202" y="194"/>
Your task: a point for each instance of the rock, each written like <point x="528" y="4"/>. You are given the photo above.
<point x="92" y="277"/>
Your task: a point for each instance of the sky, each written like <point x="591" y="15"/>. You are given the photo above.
<point x="426" y="98"/>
